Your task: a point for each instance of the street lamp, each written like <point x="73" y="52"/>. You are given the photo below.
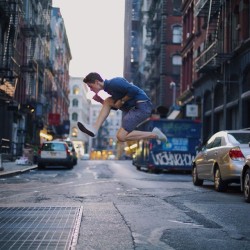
<point x="173" y="86"/>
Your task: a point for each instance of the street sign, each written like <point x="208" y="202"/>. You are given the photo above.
<point x="192" y="110"/>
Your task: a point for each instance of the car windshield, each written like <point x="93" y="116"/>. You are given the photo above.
<point x="53" y="147"/>
<point x="239" y="138"/>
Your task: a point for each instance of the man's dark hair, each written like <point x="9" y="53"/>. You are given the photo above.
<point x="91" y="77"/>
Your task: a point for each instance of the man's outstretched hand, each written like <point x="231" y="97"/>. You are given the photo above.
<point x="98" y="98"/>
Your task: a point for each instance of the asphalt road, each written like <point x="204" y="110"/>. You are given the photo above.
<point x="128" y="209"/>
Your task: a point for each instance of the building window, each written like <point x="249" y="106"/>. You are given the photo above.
<point x="176" y="62"/>
<point x="75" y="117"/>
<point x="74" y="132"/>
<point x="177" y="34"/>
<point x="76" y="90"/>
<point x="75" y="103"/>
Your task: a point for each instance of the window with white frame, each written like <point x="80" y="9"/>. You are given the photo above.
<point x="177" y="34"/>
<point x="176" y="60"/>
<point x="74" y="117"/>
<point x="76" y="90"/>
<point x="75" y="103"/>
<point x="176" y="63"/>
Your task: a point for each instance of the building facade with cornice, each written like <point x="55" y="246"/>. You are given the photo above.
<point x="79" y="110"/>
<point x="216" y="63"/>
<point x="34" y="74"/>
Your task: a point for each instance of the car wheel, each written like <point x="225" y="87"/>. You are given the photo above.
<point x="247" y="186"/>
<point x="196" y="180"/>
<point x="70" y="166"/>
<point x="219" y="184"/>
<point x="40" y="166"/>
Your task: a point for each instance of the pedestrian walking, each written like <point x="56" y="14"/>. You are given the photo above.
<point x="130" y="99"/>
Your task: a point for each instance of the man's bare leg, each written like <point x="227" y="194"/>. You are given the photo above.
<point x="92" y="130"/>
<point x="123" y="135"/>
<point x="104" y="113"/>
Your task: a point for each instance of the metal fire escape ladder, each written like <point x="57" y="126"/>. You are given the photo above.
<point x="208" y="58"/>
<point x="33" y="68"/>
<point x="208" y="19"/>
<point x="30" y="66"/>
<point x="14" y="11"/>
<point x="10" y="64"/>
<point x="212" y="45"/>
<point x="10" y="69"/>
<point x="7" y="45"/>
<point x="17" y="25"/>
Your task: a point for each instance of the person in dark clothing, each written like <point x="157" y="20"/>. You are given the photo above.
<point x="130" y="99"/>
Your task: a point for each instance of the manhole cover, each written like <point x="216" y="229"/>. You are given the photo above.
<point x="39" y="227"/>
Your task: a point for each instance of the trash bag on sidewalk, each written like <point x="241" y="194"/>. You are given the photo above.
<point x="27" y="158"/>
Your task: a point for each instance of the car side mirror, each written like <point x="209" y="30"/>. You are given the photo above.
<point x="200" y="148"/>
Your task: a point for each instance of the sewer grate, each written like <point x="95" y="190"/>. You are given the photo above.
<point x="39" y="227"/>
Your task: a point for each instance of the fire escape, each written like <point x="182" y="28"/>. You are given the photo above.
<point x="213" y="54"/>
<point x="34" y="30"/>
<point x="154" y="57"/>
<point x="156" y="52"/>
<point x="135" y="22"/>
<point x="10" y="57"/>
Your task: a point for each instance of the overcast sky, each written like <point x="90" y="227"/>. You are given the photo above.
<point x="95" y="30"/>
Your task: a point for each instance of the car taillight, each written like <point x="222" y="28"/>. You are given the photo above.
<point x="67" y="150"/>
<point x="236" y="154"/>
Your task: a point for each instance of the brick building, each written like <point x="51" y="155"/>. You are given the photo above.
<point x="34" y="76"/>
<point x="153" y="36"/>
<point x="216" y="62"/>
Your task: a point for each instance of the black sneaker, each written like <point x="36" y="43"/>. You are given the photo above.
<point x="87" y="129"/>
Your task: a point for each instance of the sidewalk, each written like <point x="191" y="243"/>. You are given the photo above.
<point x="10" y="168"/>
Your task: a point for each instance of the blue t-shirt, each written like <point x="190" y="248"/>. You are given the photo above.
<point x="119" y="87"/>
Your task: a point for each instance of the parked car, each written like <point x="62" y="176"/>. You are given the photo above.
<point x="111" y="157"/>
<point x="55" y="153"/>
<point x="221" y="159"/>
<point x="85" y="157"/>
<point x="245" y="180"/>
<point x="73" y="151"/>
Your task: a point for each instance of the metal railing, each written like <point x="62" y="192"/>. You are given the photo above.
<point x="4" y="151"/>
<point x="9" y="151"/>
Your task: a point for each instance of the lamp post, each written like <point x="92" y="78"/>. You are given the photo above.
<point x="173" y="86"/>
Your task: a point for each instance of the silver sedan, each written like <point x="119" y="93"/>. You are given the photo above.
<point x="245" y="180"/>
<point x="222" y="158"/>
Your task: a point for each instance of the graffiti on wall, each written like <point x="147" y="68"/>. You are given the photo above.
<point x="172" y="159"/>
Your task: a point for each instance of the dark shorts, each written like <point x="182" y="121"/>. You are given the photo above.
<point x="136" y="115"/>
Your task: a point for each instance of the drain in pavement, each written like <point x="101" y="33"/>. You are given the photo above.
<point x="39" y="227"/>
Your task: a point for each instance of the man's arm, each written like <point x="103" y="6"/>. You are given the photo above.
<point x="125" y="98"/>
<point x="119" y="103"/>
<point x="97" y="98"/>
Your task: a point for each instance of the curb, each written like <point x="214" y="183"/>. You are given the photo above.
<point x="16" y="172"/>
